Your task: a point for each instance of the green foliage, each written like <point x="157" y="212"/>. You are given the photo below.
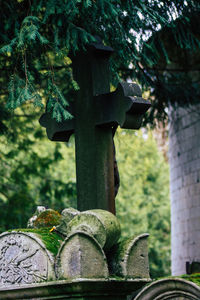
<point x="21" y="91"/>
<point x="57" y="103"/>
<point x="143" y="200"/>
<point x="37" y="35"/>
<point x="33" y="171"/>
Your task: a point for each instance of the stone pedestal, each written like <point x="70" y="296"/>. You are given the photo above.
<point x="79" y="289"/>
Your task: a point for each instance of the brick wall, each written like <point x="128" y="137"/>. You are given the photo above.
<point x="184" y="158"/>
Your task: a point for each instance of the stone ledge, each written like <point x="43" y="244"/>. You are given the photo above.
<point x="75" y="289"/>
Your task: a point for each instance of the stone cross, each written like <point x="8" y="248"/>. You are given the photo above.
<point x="96" y="111"/>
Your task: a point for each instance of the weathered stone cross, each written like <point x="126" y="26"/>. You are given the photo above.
<point x="96" y="111"/>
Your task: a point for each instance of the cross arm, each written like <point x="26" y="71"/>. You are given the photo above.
<point x="124" y="107"/>
<point x="59" y="132"/>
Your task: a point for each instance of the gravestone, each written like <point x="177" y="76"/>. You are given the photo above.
<point x="24" y="259"/>
<point x="86" y="266"/>
<point x="97" y="112"/>
<point x="79" y="267"/>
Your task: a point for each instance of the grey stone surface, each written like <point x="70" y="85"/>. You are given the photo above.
<point x="101" y="224"/>
<point x="81" y="256"/>
<point x="66" y="216"/>
<point x="184" y="157"/>
<point x="129" y="259"/>
<point x="24" y="259"/>
<point x="69" y="213"/>
<point x="169" y="289"/>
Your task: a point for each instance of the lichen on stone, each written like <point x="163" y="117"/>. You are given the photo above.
<point x="101" y="224"/>
<point x="47" y="218"/>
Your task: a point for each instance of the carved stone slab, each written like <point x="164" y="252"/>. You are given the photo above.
<point x="24" y="259"/>
<point x="81" y="256"/>
<point x="129" y="258"/>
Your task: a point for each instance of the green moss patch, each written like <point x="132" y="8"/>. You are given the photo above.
<point x="193" y="277"/>
<point x="51" y="240"/>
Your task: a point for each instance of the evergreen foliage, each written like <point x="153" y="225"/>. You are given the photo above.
<point x="33" y="171"/>
<point x="37" y="35"/>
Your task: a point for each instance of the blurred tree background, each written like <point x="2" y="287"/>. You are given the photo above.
<point x="143" y="201"/>
<point x="33" y="171"/>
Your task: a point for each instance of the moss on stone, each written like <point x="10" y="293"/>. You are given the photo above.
<point x="51" y="240"/>
<point x="101" y="224"/>
<point x="47" y="218"/>
<point x="193" y="277"/>
<point x="117" y="278"/>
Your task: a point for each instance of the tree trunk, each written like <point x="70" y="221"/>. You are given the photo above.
<point x="184" y="157"/>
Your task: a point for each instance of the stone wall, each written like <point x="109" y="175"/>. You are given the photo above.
<point x="184" y="158"/>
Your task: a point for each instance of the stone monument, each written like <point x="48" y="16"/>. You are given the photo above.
<point x="79" y="254"/>
<point x="80" y="258"/>
<point x="97" y="113"/>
